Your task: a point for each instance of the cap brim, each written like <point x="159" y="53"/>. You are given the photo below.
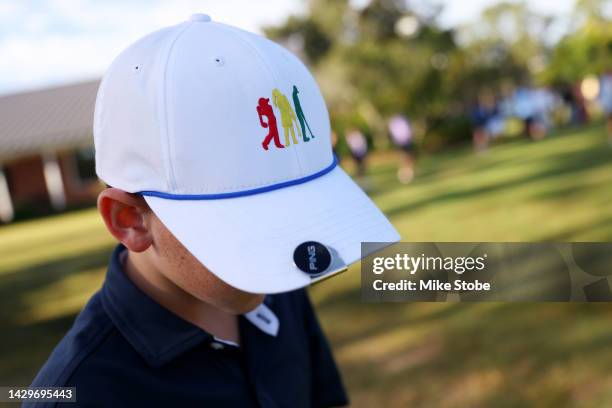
<point x="249" y="241"/>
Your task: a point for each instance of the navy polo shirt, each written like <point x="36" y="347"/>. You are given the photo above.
<point x="124" y="349"/>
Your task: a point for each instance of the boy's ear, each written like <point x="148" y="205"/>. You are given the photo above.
<point x="125" y="217"/>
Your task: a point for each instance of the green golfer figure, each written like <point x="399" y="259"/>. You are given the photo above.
<point x="300" y="115"/>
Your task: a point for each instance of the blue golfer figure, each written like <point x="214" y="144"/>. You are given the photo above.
<point x="300" y="115"/>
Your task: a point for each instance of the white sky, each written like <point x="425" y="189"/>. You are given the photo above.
<point x="50" y="42"/>
<point x="461" y="11"/>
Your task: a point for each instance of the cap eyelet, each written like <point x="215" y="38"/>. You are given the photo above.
<point x="136" y="69"/>
<point x="219" y="61"/>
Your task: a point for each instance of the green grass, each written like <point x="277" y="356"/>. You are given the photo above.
<point x="412" y="354"/>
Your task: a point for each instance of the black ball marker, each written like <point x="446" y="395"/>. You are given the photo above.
<point x="312" y="258"/>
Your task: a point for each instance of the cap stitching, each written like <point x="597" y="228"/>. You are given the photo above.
<point x="169" y="144"/>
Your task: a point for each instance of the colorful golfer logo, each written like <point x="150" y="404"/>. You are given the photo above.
<point x="289" y="119"/>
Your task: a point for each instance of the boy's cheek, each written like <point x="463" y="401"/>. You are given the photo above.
<point x="228" y="298"/>
<point x="198" y="281"/>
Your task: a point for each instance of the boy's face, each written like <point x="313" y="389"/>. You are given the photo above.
<point x="154" y="249"/>
<point x="184" y="270"/>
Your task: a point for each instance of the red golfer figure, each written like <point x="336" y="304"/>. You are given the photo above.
<point x="264" y="109"/>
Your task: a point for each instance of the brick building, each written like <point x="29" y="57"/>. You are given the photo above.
<point x="46" y="150"/>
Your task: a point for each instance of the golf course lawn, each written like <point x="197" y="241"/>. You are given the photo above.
<point x="400" y="354"/>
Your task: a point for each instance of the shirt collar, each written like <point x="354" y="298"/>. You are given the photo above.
<point x="157" y="334"/>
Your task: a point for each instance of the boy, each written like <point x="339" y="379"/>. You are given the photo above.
<point x="209" y="220"/>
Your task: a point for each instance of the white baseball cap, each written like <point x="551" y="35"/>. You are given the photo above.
<point x="227" y="137"/>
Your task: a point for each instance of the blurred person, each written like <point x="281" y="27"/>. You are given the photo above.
<point x="358" y="147"/>
<point x="495" y="125"/>
<point x="479" y="117"/>
<point x="203" y="301"/>
<point x="550" y="102"/>
<point x="487" y="120"/>
<point x="573" y="99"/>
<point x="581" y="104"/>
<point x="605" y="98"/>
<point x="544" y="102"/>
<point x="568" y="99"/>
<point x="527" y="107"/>
<point x="402" y="136"/>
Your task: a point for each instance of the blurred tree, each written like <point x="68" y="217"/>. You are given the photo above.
<point x="307" y="34"/>
<point x="380" y="60"/>
<point x="391" y="56"/>
<point x="507" y="43"/>
<point x="378" y="19"/>
<point x="587" y="49"/>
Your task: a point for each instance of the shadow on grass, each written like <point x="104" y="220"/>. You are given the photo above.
<point x="349" y="303"/>
<point x="471" y="354"/>
<point x="484" y="355"/>
<point x="552" y="167"/>
<point x="603" y="229"/>
<point x="24" y="347"/>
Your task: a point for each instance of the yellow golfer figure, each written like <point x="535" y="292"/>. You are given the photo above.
<point x="288" y="117"/>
